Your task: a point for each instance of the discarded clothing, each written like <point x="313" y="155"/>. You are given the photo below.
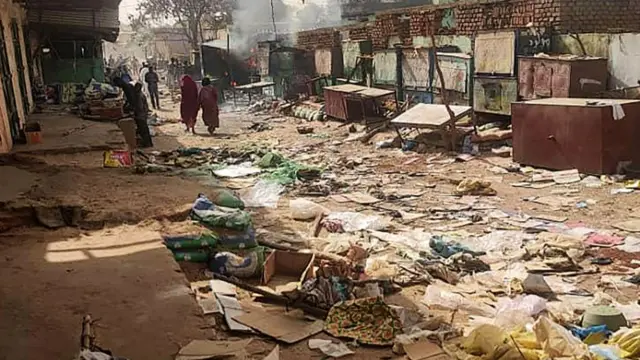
<point x="246" y="264"/>
<point x="369" y="321"/>
<point x="323" y="292"/>
<point x="582" y="333"/>
<point x="444" y="249"/>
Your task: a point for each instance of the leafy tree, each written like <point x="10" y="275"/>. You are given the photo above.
<point x="188" y="15"/>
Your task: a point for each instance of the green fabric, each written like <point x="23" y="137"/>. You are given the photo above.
<point x="270" y="160"/>
<point x="227" y="199"/>
<point x="222" y="217"/>
<point x="192" y="242"/>
<point x="288" y="172"/>
<point x="192" y="256"/>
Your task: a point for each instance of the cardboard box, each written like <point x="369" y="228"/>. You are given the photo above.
<point x="286" y="271"/>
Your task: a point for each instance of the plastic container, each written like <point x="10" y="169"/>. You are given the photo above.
<point x="33" y="137"/>
<point x="604" y="315"/>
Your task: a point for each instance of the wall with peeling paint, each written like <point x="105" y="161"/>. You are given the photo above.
<point x="624" y="60"/>
<point x="594" y="44"/>
<point x="462" y="42"/>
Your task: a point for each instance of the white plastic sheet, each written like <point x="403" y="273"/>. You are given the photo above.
<point x="303" y="209"/>
<point x="263" y="194"/>
<point x="440" y="297"/>
<point x="234" y="171"/>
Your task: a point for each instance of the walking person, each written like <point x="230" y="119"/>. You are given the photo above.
<point x="138" y="104"/>
<point x="208" y="101"/>
<point x="152" y="79"/>
<point x="144" y="70"/>
<point x="189" y="106"/>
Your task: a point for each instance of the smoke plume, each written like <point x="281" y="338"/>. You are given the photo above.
<point x="252" y="19"/>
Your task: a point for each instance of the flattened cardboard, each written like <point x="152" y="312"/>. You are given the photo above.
<point x="205" y="298"/>
<point x="423" y="350"/>
<point x="231" y="308"/>
<point x="281" y="327"/>
<point x="274" y="354"/>
<point x="222" y="287"/>
<point x="207" y="349"/>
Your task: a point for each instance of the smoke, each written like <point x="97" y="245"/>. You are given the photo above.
<point x="252" y="19"/>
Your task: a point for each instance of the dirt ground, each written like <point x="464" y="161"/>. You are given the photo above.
<point x="115" y="267"/>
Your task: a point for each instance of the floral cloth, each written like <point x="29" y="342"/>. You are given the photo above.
<point x="368" y="320"/>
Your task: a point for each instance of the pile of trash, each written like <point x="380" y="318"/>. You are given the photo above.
<point x="519" y="288"/>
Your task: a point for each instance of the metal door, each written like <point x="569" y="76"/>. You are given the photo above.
<point x="9" y="95"/>
<point x="17" y="46"/>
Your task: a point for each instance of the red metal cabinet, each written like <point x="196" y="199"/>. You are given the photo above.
<point x="563" y="133"/>
<point x="544" y="77"/>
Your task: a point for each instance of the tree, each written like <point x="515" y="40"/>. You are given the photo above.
<point x="188" y="15"/>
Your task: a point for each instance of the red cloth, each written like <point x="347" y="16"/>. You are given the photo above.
<point x="208" y="101"/>
<point x="189" y="103"/>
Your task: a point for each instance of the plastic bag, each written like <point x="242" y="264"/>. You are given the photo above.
<point x="518" y="312"/>
<point x="557" y="341"/>
<point x="352" y="221"/>
<point x="628" y="341"/>
<point x="263" y="194"/>
<point x="438" y="296"/>
<point x="530" y="304"/>
<point x="608" y="352"/>
<point x="234" y="171"/>
<point x="303" y="209"/>
<point x="491" y="342"/>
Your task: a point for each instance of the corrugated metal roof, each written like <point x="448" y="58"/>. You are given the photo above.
<point x="72" y="4"/>
<point x="103" y="18"/>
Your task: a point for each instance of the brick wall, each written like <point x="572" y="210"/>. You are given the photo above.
<point x="318" y="39"/>
<point x="603" y="16"/>
<point x="467" y="18"/>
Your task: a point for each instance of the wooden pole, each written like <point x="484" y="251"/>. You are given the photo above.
<point x="445" y="100"/>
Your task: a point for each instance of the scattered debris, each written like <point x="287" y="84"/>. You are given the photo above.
<point x="474" y="187"/>
<point x="208" y="349"/>
<point x="329" y="348"/>
<point x="302" y="129"/>
<point x="281" y="327"/>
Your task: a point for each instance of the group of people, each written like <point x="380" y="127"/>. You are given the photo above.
<point x="193" y="100"/>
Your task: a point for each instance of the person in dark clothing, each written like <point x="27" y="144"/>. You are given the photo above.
<point x="128" y="90"/>
<point x="138" y="104"/>
<point x="140" y="115"/>
<point x="152" y="79"/>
